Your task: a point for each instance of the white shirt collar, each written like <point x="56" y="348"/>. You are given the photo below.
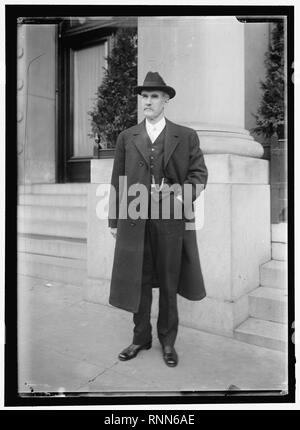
<point x="159" y="126"/>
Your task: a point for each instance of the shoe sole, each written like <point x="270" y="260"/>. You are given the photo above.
<point x="171" y="364"/>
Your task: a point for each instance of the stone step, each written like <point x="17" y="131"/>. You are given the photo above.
<point x="67" y="270"/>
<point x="274" y="274"/>
<point x="53" y="228"/>
<point x="53" y="200"/>
<point x="59" y="213"/>
<point x="74" y="188"/>
<point x="268" y="304"/>
<point x="51" y="245"/>
<point x="279" y="251"/>
<point x="279" y="232"/>
<point x="267" y="334"/>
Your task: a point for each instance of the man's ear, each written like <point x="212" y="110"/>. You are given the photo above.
<point x="166" y="97"/>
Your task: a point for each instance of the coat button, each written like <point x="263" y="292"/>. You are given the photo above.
<point x="141" y="163"/>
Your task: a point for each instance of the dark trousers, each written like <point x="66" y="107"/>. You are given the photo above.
<point x="162" y="261"/>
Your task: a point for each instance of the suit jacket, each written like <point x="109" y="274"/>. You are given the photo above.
<point x="183" y="164"/>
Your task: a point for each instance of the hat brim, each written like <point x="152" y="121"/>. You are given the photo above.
<point x="166" y="89"/>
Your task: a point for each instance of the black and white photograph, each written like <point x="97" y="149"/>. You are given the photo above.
<point x="152" y="205"/>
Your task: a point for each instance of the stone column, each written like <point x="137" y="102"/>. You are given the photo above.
<point x="203" y="59"/>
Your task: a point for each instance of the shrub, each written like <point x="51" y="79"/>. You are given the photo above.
<point x="270" y="116"/>
<point x="116" y="105"/>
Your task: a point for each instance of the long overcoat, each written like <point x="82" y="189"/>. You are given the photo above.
<point x="183" y="163"/>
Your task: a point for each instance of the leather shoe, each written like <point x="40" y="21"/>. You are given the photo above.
<point x="132" y="351"/>
<point x="170" y="356"/>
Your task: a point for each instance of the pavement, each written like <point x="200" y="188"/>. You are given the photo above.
<point x="66" y="344"/>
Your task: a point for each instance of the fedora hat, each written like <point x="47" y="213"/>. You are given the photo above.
<point x="153" y="81"/>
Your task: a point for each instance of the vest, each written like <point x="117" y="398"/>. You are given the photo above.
<point x="156" y="157"/>
<point x="156" y="163"/>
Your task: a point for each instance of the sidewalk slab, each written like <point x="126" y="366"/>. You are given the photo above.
<point x="67" y="343"/>
<point x="209" y="362"/>
<point x="111" y="382"/>
<point x="44" y="370"/>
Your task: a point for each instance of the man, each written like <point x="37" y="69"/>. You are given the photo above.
<point x="155" y="250"/>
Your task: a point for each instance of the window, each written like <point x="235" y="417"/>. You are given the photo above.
<point x="83" y="44"/>
<point x="88" y="75"/>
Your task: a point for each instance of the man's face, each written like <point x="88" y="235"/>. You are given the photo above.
<point x="153" y="104"/>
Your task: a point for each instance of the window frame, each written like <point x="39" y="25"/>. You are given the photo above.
<point x="73" y="168"/>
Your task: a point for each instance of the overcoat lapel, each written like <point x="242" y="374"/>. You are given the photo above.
<point x="171" y="141"/>
<point x="140" y="139"/>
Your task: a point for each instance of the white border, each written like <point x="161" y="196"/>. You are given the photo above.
<point x="242" y="406"/>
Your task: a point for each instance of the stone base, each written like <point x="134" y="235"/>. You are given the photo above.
<point x="235" y="238"/>
<point x="96" y="290"/>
